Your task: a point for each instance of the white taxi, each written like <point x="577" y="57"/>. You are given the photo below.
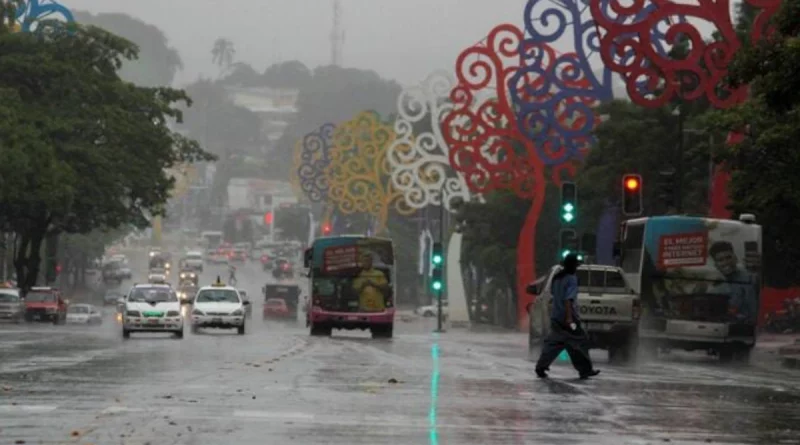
<point x="152" y="308"/>
<point x="219" y="306"/>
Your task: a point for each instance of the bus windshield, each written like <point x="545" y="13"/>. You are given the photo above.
<point x="352" y="274"/>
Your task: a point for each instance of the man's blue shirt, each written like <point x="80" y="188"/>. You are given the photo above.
<point x="565" y="291"/>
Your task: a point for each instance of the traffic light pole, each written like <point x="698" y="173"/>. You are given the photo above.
<point x="441" y="241"/>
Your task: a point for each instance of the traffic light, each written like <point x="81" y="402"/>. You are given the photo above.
<point x="268" y="218"/>
<point x="436" y="278"/>
<point x="568" y="242"/>
<point x="632" y="195"/>
<point x="326" y="229"/>
<point x="436" y="255"/>
<point x="569" y="202"/>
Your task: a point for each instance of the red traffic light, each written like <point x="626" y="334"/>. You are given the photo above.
<point x="268" y="218"/>
<point x="326" y="228"/>
<point x="632" y="183"/>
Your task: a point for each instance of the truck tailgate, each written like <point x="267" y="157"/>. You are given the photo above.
<point x="606" y="307"/>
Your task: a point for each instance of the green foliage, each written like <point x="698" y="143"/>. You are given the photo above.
<point x="643" y="141"/>
<point x="81" y="149"/>
<point x="764" y="165"/>
<point x="291" y="75"/>
<point x="333" y="95"/>
<point x="157" y="62"/>
<point x="491" y="230"/>
<point x="222" y="54"/>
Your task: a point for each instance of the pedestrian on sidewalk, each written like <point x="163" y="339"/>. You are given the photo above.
<point x="566" y="331"/>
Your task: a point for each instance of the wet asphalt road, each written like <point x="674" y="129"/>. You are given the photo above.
<point x="276" y="385"/>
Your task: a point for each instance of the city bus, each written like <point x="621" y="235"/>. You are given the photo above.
<point x="351" y="284"/>
<point x="699" y="280"/>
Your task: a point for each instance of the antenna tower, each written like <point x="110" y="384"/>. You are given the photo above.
<point x="337" y="34"/>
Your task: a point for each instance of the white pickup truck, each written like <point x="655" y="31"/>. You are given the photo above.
<point x="609" y="310"/>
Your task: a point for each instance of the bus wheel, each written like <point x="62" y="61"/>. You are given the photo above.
<point x="382" y="331"/>
<point x="320" y="331"/>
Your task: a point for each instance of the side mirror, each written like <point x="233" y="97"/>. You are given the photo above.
<point x="532" y="289"/>
<point x="308" y="255"/>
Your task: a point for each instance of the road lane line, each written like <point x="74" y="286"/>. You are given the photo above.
<point x="28" y="408"/>
<point x="273" y="415"/>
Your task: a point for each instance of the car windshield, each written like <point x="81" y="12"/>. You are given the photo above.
<point x="8" y="297"/>
<point x="40" y="297"/>
<point x="217" y="296"/>
<point x="158" y="295"/>
<point x="78" y="310"/>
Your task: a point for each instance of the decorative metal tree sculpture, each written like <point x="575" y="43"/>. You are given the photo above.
<point x="486" y="144"/>
<point x="358" y="173"/>
<point x="314" y="153"/>
<point x="653" y="79"/>
<point x="418" y="157"/>
<point x="33" y="12"/>
<point x="555" y="94"/>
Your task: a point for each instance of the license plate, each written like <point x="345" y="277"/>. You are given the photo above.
<point x="216" y="320"/>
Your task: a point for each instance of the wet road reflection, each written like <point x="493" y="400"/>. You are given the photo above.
<point x="71" y="384"/>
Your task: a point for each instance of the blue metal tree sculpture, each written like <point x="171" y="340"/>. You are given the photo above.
<point x="314" y="160"/>
<point x="33" y="12"/>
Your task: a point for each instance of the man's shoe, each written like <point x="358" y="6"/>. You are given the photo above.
<point x="591" y="373"/>
<point x="541" y="373"/>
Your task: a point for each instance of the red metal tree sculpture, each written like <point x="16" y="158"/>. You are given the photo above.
<point x="654" y="79"/>
<point x="485" y="141"/>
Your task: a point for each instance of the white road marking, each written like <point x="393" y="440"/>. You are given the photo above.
<point x="273" y="415"/>
<point x="28" y="408"/>
<point x="122" y="409"/>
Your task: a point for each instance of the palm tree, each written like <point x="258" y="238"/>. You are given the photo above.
<point x="222" y="54"/>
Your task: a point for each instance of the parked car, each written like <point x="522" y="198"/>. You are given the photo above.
<point x="11" y="306"/>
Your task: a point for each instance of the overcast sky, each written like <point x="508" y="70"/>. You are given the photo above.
<point x="404" y="40"/>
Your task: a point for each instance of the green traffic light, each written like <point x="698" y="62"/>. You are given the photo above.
<point x="437" y="259"/>
<point x="437" y="285"/>
<point x="565" y="253"/>
<point x="568" y="217"/>
<point x="568" y="207"/>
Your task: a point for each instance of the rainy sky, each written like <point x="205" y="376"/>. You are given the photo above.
<point x="404" y="40"/>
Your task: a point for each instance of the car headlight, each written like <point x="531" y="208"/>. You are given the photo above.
<point x="197" y="312"/>
<point x="237" y="312"/>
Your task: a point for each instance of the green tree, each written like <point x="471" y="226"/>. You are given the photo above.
<point x="242" y="74"/>
<point x="639" y="140"/>
<point x="81" y="148"/>
<point x="157" y="62"/>
<point x="223" y="54"/>
<point x="289" y="75"/>
<point x="333" y="95"/>
<point x="764" y="177"/>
